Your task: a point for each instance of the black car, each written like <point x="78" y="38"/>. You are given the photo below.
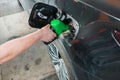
<point x="90" y="50"/>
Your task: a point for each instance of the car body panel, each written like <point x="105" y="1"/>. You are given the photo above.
<point x="93" y="54"/>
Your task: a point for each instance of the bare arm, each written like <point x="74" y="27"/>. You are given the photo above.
<point x="14" y="47"/>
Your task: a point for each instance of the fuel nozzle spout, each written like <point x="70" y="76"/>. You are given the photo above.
<point x="58" y="26"/>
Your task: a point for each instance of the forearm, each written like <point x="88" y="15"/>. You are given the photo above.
<point x="14" y="47"/>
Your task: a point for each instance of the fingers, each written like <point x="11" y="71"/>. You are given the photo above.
<point x="51" y="37"/>
<point x="48" y="34"/>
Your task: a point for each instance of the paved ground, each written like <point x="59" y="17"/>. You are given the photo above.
<point x="34" y="63"/>
<point x="9" y="7"/>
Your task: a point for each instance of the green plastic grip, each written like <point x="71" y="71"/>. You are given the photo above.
<point x="58" y="26"/>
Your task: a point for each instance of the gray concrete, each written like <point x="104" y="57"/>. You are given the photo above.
<point x="8" y="7"/>
<point x="34" y="63"/>
<point x="15" y="25"/>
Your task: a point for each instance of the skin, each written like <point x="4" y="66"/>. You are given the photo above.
<point x="15" y="47"/>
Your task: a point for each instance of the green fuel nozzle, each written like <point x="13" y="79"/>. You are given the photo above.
<point x="58" y="26"/>
<point x="43" y="14"/>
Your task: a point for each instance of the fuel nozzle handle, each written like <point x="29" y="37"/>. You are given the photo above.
<point x="58" y="27"/>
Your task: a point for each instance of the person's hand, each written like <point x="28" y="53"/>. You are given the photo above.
<point x="47" y="34"/>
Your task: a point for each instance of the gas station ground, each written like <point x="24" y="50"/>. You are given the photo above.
<point x="34" y="63"/>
